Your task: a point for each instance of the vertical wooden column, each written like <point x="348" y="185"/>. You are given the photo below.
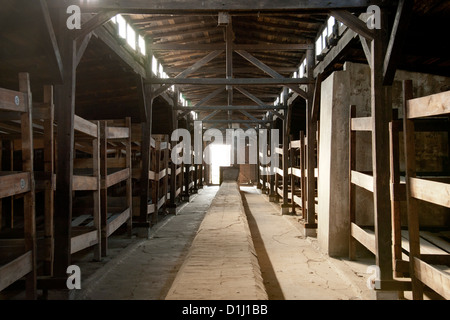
<point x="381" y="116"/>
<point x="286" y="130"/>
<point x="49" y="169"/>
<point x="303" y="171"/>
<point x="96" y="195"/>
<point x="411" y="202"/>
<point x="29" y="197"/>
<point x="129" y="182"/>
<point x="258" y="162"/>
<point x="352" y="189"/>
<point x="64" y="114"/>
<point x="104" y="189"/>
<point x="156" y="192"/>
<point x="146" y="141"/>
<point x="311" y="128"/>
<point x="273" y="173"/>
<point x="292" y="165"/>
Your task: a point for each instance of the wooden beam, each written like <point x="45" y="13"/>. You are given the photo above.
<point x="366" y="50"/>
<point x="211" y="115"/>
<point x="354" y="23"/>
<point x="236" y="121"/>
<point x="397" y="39"/>
<point x="93" y="23"/>
<point x="200" y="63"/>
<point x="250" y="96"/>
<point x="433" y="105"/>
<point x="213" y="6"/>
<point x="226" y="108"/>
<point x="222" y="46"/>
<point x="82" y="48"/>
<point x="125" y="55"/>
<point x="53" y="48"/>
<point x="381" y="116"/>
<point x="232" y="82"/>
<point x="64" y="116"/>
<point x="261" y="65"/>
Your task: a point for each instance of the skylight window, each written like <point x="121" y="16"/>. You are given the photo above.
<point x="122" y="26"/>
<point x="131" y="37"/>
<point x="141" y="42"/>
<point x="331" y="23"/>
<point x="154" y="65"/>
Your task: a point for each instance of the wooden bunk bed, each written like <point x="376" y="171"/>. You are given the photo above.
<point x="18" y="255"/>
<point x="427" y="268"/>
<point x="86" y="226"/>
<point x="116" y="209"/>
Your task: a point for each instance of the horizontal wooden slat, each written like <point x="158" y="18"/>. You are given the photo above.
<point x="118" y="221"/>
<point x="295" y="144"/>
<point x="434" y="105"/>
<point x="362" y="180"/>
<point x="179" y="170"/>
<point x="434" y="278"/>
<point x="430" y="191"/>
<point x="117" y="133"/>
<point x="85" y="126"/>
<point x="13" y="100"/>
<point x="161" y="174"/>
<point x="178" y="192"/>
<point x="279" y="151"/>
<point x="161" y="202"/>
<point x="117" y="177"/>
<point x="14" y="183"/>
<point x="150" y="208"/>
<point x="151" y="175"/>
<point x="361" y="124"/>
<point x="83" y="241"/>
<point x="83" y="183"/>
<point x="16" y="269"/>
<point x="365" y="237"/>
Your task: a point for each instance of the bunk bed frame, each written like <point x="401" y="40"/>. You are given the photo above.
<point x="15" y="263"/>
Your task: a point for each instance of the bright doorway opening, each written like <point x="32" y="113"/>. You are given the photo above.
<point x="220" y="157"/>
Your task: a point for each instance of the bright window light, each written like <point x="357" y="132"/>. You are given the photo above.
<point x="331" y="22"/>
<point x="324" y="38"/>
<point x="131" y="37"/>
<point x="319" y="45"/>
<point x="141" y="42"/>
<point x="294" y="75"/>
<point x="113" y="19"/>
<point x="154" y="65"/>
<point x="122" y="26"/>
<point x="161" y="70"/>
<point x="194" y="115"/>
<point x="220" y="156"/>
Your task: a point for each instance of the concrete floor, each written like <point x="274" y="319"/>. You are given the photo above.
<point x="292" y="267"/>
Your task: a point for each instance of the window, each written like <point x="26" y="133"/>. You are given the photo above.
<point x="331" y="23"/>
<point x="122" y="26"/>
<point x="154" y="65"/>
<point x="141" y="42"/>
<point x="131" y="37"/>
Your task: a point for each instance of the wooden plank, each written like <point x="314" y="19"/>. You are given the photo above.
<point x="362" y="180"/>
<point x="354" y="23"/>
<point x="117" y="133"/>
<point x="426" y="247"/>
<point x="79" y="220"/>
<point x="84" y="241"/>
<point x="13" y="100"/>
<point x="85" y="126"/>
<point x="436" y="240"/>
<point x="433" y="277"/>
<point x="434" y="105"/>
<point x="84" y="183"/>
<point x="365" y="237"/>
<point x="15" y="270"/>
<point x="361" y="124"/>
<point x="118" y="221"/>
<point x="430" y="191"/>
<point x="117" y="177"/>
<point x="16" y="183"/>
<point x="290" y="82"/>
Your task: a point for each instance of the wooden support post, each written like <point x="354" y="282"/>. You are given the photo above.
<point x="146" y="142"/>
<point x="381" y="116"/>
<point x="411" y="202"/>
<point x="258" y="161"/>
<point x="352" y="197"/>
<point x="129" y="183"/>
<point x="29" y="197"/>
<point x="272" y="171"/>
<point x="96" y="195"/>
<point x="104" y="188"/>
<point x="303" y="171"/>
<point x="292" y="165"/>
<point x="156" y="192"/>
<point x="64" y="114"/>
<point x="311" y="128"/>
<point x="286" y="128"/>
<point x="49" y="169"/>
